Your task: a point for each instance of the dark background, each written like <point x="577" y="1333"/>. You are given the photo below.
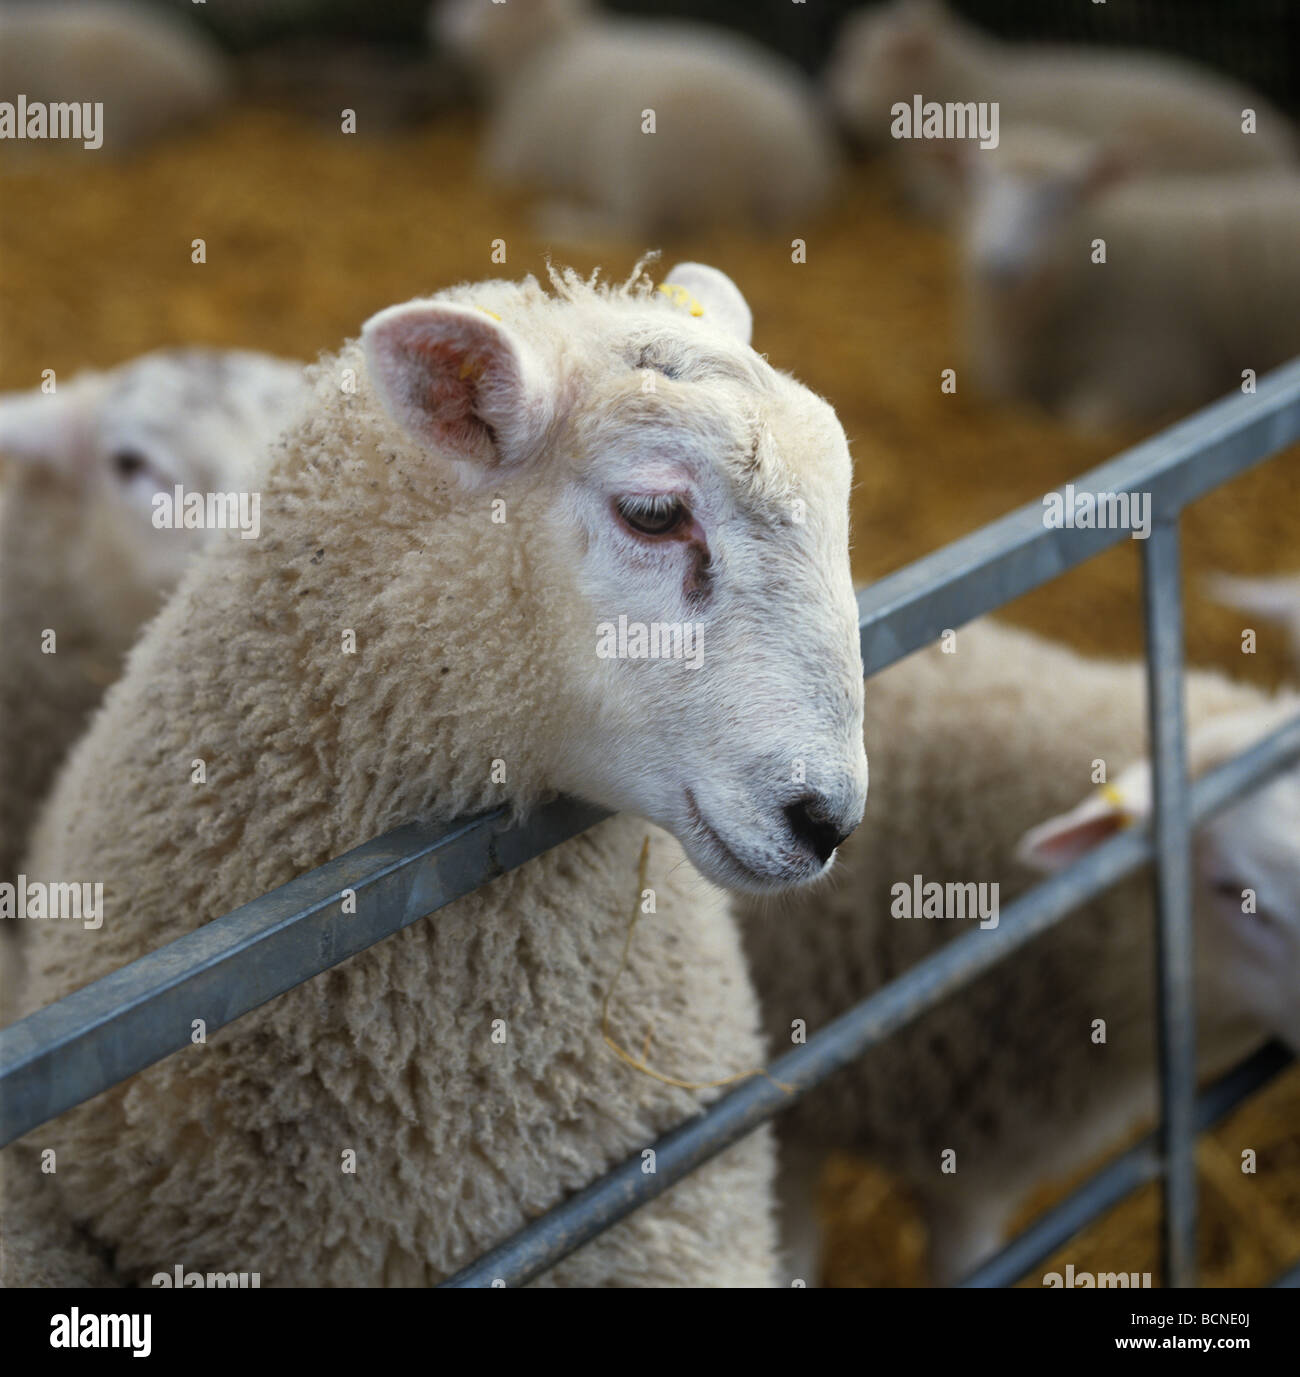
<point x="1257" y="40"/>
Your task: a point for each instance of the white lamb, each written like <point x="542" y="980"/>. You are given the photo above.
<point x="1167" y="113"/>
<point x="152" y="71"/>
<point x="736" y="133"/>
<point x="1111" y="298"/>
<point x="484" y="485"/>
<point x="970" y="751"/>
<point x="82" y="565"/>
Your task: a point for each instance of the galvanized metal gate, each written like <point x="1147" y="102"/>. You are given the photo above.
<point x="100" y="1035"/>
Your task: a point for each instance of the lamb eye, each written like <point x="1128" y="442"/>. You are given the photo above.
<point x="653" y="516"/>
<point x="129" y="462"/>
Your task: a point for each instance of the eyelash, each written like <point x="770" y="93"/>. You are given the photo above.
<point x="653" y="516"/>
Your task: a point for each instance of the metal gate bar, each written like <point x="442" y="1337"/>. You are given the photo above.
<point x="1162" y="589"/>
<point x="579" y="1219"/>
<point x="100" y="1035"/>
<point x="1017" y="553"/>
<point x="1123" y="1175"/>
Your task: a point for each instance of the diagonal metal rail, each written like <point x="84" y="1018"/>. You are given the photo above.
<point x="906" y="610"/>
<point x="101" y="1034"/>
<point x="108" y="1031"/>
<point x="578" y="1220"/>
<point x="1123" y="1175"/>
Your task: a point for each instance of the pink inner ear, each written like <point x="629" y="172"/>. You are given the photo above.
<point x="1061" y="843"/>
<point x="455" y="380"/>
<point x="449" y="383"/>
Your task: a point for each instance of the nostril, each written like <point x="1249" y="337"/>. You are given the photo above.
<point x="810" y="821"/>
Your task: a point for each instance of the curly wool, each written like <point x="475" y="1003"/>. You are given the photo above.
<point x="229" y="1156"/>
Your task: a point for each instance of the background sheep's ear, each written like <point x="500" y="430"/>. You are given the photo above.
<point x="45" y="429"/>
<point x="718" y="297"/>
<point x="1060" y="841"/>
<point x="460" y="383"/>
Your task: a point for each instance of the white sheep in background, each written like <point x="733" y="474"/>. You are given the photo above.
<point x="79" y="554"/>
<point x="737" y="132"/>
<point x="1275" y="599"/>
<point x="511" y="472"/>
<point x="970" y="751"/>
<point x="1166" y="112"/>
<point x="1200" y="280"/>
<point x="152" y="71"/>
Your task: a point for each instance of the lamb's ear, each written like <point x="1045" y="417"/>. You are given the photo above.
<point x="711" y="295"/>
<point x="1060" y="841"/>
<point x="45" y="429"/>
<point x="460" y="382"/>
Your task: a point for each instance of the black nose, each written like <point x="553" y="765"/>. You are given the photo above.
<point x="811" y="821"/>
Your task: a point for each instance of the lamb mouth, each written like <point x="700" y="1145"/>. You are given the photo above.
<point x="709" y="834"/>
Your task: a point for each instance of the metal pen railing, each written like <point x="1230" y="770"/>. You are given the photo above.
<point x="100" y="1035"/>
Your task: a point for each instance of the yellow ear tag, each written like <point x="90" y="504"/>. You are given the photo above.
<point x="1116" y="800"/>
<point x="486" y="312"/>
<point x="679" y="296"/>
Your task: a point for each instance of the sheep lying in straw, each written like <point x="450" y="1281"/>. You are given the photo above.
<point x="635" y="126"/>
<point x="1111" y="298"/>
<point x="1014" y="1075"/>
<point x="480" y="489"/>
<point x="150" y="71"/>
<point x="1166" y="112"/>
